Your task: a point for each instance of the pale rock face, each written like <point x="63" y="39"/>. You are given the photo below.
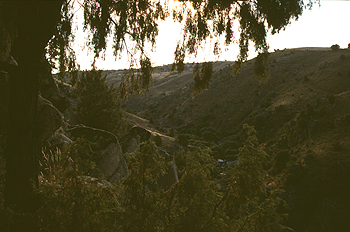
<point x="112" y="162"/>
<point x="108" y="153"/>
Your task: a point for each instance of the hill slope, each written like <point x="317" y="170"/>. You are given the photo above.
<point x="301" y="114"/>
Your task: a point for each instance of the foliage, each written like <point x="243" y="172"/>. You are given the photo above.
<point x="183" y="139"/>
<point x="280" y="161"/>
<point x="179" y="59"/>
<point x="202" y="76"/>
<point x="247" y="203"/>
<point x="26" y="34"/>
<point x="192" y="200"/>
<point x="137" y="21"/>
<point x="71" y="201"/>
<point x="261" y="67"/>
<point x="58" y="49"/>
<point x="141" y="190"/>
<point x="99" y="106"/>
<point x="335" y="47"/>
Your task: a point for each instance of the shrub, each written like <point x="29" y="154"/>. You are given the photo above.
<point x="210" y="136"/>
<point x="98" y="106"/>
<point x="71" y="201"/>
<point x="280" y="161"/>
<point x="183" y="139"/>
<point x="335" y="47"/>
<point x="247" y="195"/>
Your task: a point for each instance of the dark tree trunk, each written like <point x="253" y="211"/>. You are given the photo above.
<point x="35" y="22"/>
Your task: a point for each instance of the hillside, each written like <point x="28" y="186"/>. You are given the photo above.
<point x="302" y="118"/>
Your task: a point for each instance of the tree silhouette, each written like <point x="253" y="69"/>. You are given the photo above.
<point x="31" y="31"/>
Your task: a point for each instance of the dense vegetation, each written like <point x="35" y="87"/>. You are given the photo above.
<point x="99" y="104"/>
<point x="73" y="201"/>
<point x="32" y="31"/>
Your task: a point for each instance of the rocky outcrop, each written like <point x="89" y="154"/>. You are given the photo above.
<point x="131" y="142"/>
<point x="50" y="119"/>
<point x="58" y="141"/>
<point x="108" y="153"/>
<point x="49" y="90"/>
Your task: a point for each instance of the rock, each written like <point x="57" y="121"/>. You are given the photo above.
<point x="70" y="102"/>
<point x="108" y="153"/>
<point x="131" y="142"/>
<point x="282" y="228"/>
<point x="144" y="134"/>
<point x="171" y="176"/>
<point x="49" y="90"/>
<point x="50" y="119"/>
<point x="58" y="141"/>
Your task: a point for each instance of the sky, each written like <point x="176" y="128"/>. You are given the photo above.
<point x="322" y="26"/>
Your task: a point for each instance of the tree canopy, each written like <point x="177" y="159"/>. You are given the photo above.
<point x="32" y="31"/>
<point x="137" y="21"/>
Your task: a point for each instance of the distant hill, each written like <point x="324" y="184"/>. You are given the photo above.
<point x="302" y="118"/>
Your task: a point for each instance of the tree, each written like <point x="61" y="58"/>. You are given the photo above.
<point x="98" y="106"/>
<point x="32" y="30"/>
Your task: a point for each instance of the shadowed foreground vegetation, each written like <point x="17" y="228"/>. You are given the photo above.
<point x="73" y="201"/>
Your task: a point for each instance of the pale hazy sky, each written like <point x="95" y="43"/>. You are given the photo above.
<point x="322" y="26"/>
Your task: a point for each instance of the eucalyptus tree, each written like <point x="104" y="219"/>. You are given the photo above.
<point x="33" y="31"/>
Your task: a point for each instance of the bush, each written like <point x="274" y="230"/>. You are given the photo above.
<point x="98" y="106"/>
<point x="183" y="139"/>
<point x="335" y="47"/>
<point x="71" y="201"/>
<point x="280" y="161"/>
<point x="210" y="136"/>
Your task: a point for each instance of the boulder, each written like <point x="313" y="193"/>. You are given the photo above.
<point x="58" y="141"/>
<point x="108" y="153"/>
<point x="131" y="142"/>
<point x="69" y="100"/>
<point x="49" y="90"/>
<point x="50" y="119"/>
<point x="171" y="176"/>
